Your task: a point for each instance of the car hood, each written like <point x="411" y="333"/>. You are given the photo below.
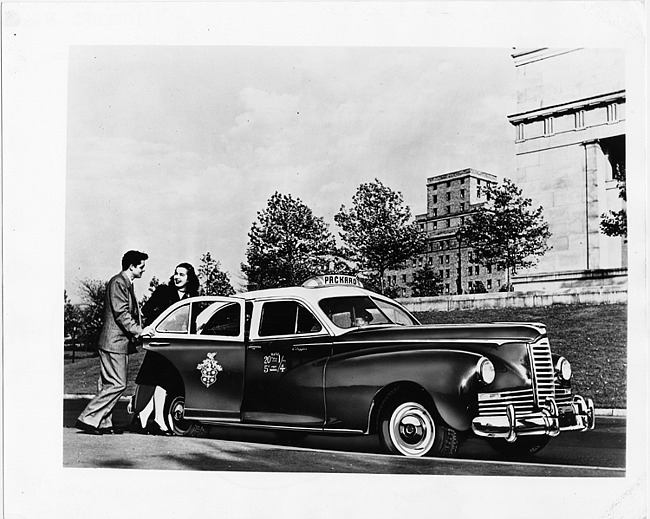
<point x="499" y="332"/>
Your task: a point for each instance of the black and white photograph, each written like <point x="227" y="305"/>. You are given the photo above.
<point x="304" y="259"/>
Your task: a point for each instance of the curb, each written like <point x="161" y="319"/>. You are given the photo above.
<point x="613" y="413"/>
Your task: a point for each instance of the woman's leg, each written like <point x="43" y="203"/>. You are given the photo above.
<point x="143" y="403"/>
<point x="159" y="396"/>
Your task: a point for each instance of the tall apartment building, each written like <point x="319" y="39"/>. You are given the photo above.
<point x="450" y="198"/>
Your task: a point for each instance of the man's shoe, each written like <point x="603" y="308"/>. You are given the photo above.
<point x="88" y="429"/>
<point x="111" y="430"/>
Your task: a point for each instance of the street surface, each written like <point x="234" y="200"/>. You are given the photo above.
<point x="598" y="453"/>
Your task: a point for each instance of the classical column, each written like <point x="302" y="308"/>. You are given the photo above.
<point x="593" y="155"/>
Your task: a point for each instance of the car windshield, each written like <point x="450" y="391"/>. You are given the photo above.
<point x="355" y="311"/>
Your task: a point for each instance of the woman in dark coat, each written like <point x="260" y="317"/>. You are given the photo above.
<point x="152" y="383"/>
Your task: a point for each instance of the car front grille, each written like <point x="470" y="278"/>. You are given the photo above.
<point x="530" y="399"/>
<point x="543" y="372"/>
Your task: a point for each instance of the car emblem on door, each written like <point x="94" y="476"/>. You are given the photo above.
<point x="209" y="369"/>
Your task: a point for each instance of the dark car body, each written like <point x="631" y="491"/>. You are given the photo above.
<point x="342" y="359"/>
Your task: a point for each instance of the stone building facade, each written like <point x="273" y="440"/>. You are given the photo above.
<point x="450" y="198"/>
<point x="570" y="144"/>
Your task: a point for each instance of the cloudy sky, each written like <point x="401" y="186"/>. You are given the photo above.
<point x="173" y="149"/>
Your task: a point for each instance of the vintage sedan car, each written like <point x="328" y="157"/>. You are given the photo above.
<point x="335" y="358"/>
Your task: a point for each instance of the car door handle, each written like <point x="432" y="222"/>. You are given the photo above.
<point x="158" y="344"/>
<point x="254" y="347"/>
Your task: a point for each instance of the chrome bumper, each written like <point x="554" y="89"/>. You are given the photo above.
<point x="579" y="415"/>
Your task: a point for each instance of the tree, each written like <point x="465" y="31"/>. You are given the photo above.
<point x="287" y="245"/>
<point x="377" y="231"/>
<point x="426" y="282"/>
<point x="93" y="293"/>
<point x="153" y="284"/>
<point x="214" y="282"/>
<point x="614" y="223"/>
<point x="71" y="318"/>
<point x="506" y="231"/>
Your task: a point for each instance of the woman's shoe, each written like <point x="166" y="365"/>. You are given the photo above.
<point x="136" y="426"/>
<point x="156" y="430"/>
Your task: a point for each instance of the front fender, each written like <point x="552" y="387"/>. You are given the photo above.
<point x="447" y="376"/>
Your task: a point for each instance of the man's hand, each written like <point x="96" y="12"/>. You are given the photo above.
<point x="147" y="332"/>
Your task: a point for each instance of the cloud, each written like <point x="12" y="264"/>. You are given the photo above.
<point x="177" y="151"/>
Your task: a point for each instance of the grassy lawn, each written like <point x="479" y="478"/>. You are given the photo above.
<point x="592" y="337"/>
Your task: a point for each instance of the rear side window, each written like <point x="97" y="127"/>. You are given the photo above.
<point x="287" y="318"/>
<point x="225" y="321"/>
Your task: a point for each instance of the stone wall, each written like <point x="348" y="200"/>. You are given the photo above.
<point x="588" y="295"/>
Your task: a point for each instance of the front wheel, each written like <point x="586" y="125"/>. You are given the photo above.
<point x="174" y="409"/>
<point x="521" y="448"/>
<point x="406" y="426"/>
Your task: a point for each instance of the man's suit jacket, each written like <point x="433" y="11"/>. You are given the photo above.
<point x="121" y="316"/>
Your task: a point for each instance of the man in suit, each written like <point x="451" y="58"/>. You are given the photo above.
<point x="121" y="331"/>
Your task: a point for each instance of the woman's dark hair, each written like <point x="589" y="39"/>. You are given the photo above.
<point x="192" y="279"/>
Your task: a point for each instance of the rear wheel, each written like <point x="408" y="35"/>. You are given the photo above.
<point x="407" y="426"/>
<point x="521" y="448"/>
<point x="174" y="409"/>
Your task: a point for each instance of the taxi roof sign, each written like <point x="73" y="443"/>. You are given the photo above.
<point x="332" y="280"/>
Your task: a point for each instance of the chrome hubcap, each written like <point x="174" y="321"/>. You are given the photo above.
<point x="177" y="423"/>
<point x="411" y="429"/>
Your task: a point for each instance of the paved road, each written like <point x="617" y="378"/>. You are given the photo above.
<point x="599" y="453"/>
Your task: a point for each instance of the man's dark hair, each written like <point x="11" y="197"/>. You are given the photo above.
<point x="133" y="257"/>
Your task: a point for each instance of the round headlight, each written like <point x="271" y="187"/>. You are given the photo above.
<point x="486" y="371"/>
<point x="563" y="369"/>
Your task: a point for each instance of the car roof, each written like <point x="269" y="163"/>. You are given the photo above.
<point x="313" y="294"/>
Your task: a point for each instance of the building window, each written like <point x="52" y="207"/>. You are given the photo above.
<point x="448" y="223"/>
<point x="403" y="278"/>
<point x="489" y="269"/>
<point x="469" y="271"/>
<point x="462" y="193"/>
<point x="448" y="196"/>
<point x="580" y="119"/>
<point x="489" y="284"/>
<point x="449" y="184"/>
<point x="446" y="288"/>
<point x="435" y="187"/>
<point x="462" y="208"/>
<point x="441" y="259"/>
<point x="422" y="227"/>
<point x="435" y="225"/>
<point x="448" y="208"/>
<point x="435" y="199"/>
<point x="429" y="260"/>
<point x="477" y="270"/>
<point x="447" y="259"/>
<point x="440" y="274"/>
<point x="447" y="273"/>
<point x="419" y="262"/>
<point x="462" y="181"/>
